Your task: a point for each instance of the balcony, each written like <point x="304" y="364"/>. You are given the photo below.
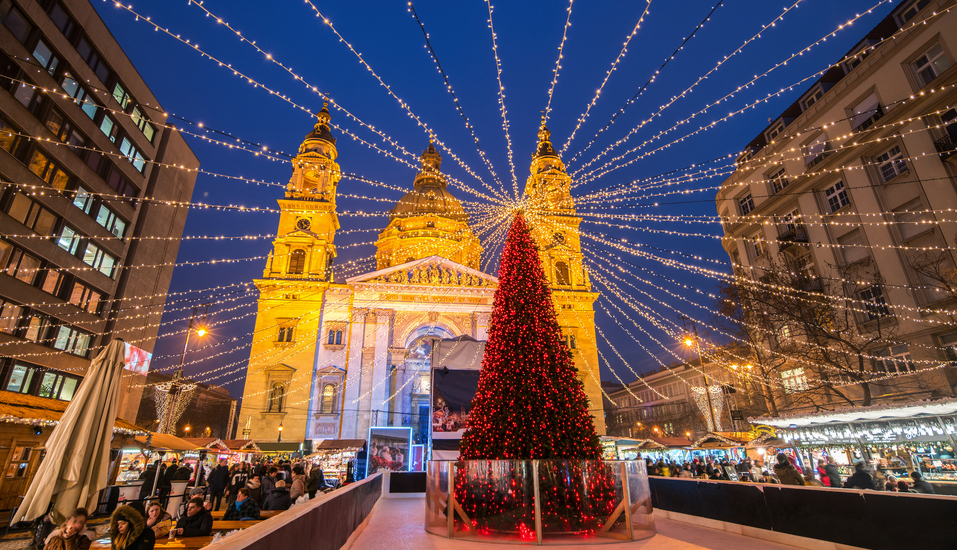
<point x="946" y="146"/>
<point x="792" y="236"/>
<point x="808" y="284"/>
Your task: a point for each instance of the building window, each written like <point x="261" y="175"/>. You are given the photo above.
<point x="48" y="171"/>
<point x="71" y="340"/>
<point x="297" y="262"/>
<point x="277" y="397"/>
<point x="746" y="203"/>
<point x="794" y="380"/>
<point x="17" y="263"/>
<point x="328" y="404"/>
<point x="9" y="316"/>
<point x="45" y="57"/>
<point x="778" y="179"/>
<point x="891" y="164"/>
<point x="931" y="64"/>
<point x="896" y="360"/>
<point x="811" y="99"/>
<point x="66" y="133"/>
<point x="19" y="463"/>
<point x="94" y="60"/>
<point x="775" y="130"/>
<point x="874" y="303"/>
<point x="108" y="219"/>
<point x="98" y="259"/>
<point x="285" y="334"/>
<point x="836" y="197"/>
<point x="29" y="212"/>
<point x="853" y="246"/>
<point x="81" y="96"/>
<point x="85" y="297"/>
<point x="758" y="246"/>
<point x="14" y="20"/>
<point x="335" y="338"/>
<point x="815" y="151"/>
<point x="865" y="113"/>
<point x="69" y="239"/>
<point x="909" y="12"/>
<point x="41" y="382"/>
<point x="949" y="343"/>
<point x="562" y="277"/>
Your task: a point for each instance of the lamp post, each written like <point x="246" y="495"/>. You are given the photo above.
<point x="187" y="431"/>
<point x="175" y="387"/>
<point x="279" y="440"/>
<point x="697" y="345"/>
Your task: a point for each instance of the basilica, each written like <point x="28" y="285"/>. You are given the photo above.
<point x="332" y="356"/>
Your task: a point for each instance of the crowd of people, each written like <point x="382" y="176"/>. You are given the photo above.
<point x="247" y="488"/>
<point x="785" y="470"/>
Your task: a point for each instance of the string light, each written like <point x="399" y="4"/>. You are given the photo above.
<point x="558" y="62"/>
<point x="501" y="100"/>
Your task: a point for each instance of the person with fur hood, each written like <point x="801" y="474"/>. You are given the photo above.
<point x="128" y="530"/>
<point x="786" y="471"/>
<point x="72" y="535"/>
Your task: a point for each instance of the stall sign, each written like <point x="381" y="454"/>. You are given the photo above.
<point x="389" y="449"/>
<point x="136" y="359"/>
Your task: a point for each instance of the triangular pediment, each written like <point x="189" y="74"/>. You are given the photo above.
<point x="430" y="271"/>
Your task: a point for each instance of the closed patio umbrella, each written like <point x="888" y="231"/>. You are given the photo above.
<point x="76" y="465"/>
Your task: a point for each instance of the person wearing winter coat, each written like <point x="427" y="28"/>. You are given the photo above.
<point x="298" y="483"/>
<point x="244" y="508"/>
<point x="158" y="520"/>
<point x="269" y="481"/>
<point x="920" y="485"/>
<point x="72" y="535"/>
<point x="197" y="522"/>
<point x="860" y="479"/>
<point x="880" y="479"/>
<point x="255" y="489"/>
<point x="786" y="471"/>
<point x="822" y="473"/>
<point x="317" y="481"/>
<point x="278" y="498"/>
<point x="218" y="479"/>
<point x="833" y="474"/>
<point x="128" y="530"/>
<point x="686" y="472"/>
<point x="149" y="477"/>
<point x="237" y="480"/>
<point x="183" y="473"/>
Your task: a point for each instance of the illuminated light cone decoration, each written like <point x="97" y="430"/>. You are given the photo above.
<point x="530" y="405"/>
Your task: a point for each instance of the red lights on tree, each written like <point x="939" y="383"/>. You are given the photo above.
<point x="530" y="405"/>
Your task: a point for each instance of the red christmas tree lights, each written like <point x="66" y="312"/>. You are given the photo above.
<point x="530" y="405"/>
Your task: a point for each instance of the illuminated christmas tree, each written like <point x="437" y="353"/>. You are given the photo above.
<point x="530" y="405"/>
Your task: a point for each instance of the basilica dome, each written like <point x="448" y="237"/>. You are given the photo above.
<point x="430" y="194"/>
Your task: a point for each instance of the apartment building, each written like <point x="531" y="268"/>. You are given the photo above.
<point x="87" y="169"/>
<point x="670" y="401"/>
<point x="849" y="198"/>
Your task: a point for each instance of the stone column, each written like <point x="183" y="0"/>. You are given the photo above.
<point x="380" y="359"/>
<point x="353" y="377"/>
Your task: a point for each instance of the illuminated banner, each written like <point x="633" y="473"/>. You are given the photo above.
<point x="137" y="360"/>
<point x="389" y="449"/>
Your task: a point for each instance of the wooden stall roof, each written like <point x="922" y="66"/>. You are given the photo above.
<point x="722" y="440"/>
<point x="208" y="443"/>
<point x="30" y="409"/>
<point x="167" y="442"/>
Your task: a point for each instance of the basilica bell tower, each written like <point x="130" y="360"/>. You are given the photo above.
<point x="555" y="229"/>
<point x="298" y="271"/>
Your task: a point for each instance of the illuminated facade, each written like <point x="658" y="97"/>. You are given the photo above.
<point x="332" y="358"/>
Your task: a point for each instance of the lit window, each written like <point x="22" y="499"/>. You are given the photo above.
<point x="794" y="380"/>
<point x="328" y="405"/>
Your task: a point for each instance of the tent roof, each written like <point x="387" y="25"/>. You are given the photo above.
<point x="857" y="414"/>
<point x="341" y="445"/>
<point x="19" y="408"/>
<point x="671" y="442"/>
<point x="228" y="444"/>
<point x="167" y="442"/>
<point x="247" y="445"/>
<point x="722" y="440"/>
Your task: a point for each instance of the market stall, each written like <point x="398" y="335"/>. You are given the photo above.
<point x="620" y="448"/>
<point x="897" y="438"/>
<point x="335" y="456"/>
<point x="669" y="449"/>
<point x="721" y="446"/>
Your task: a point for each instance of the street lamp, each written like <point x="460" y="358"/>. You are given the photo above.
<point x="279" y="440"/>
<point x="187" y="431"/>
<point x="697" y="346"/>
<point x="175" y="387"/>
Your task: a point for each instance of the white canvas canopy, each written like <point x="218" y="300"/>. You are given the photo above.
<point x="76" y="465"/>
<point x="462" y="353"/>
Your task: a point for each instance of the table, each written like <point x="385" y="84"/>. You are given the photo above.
<point x="180" y="543"/>
<point x="220" y="525"/>
<point x="264" y="514"/>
